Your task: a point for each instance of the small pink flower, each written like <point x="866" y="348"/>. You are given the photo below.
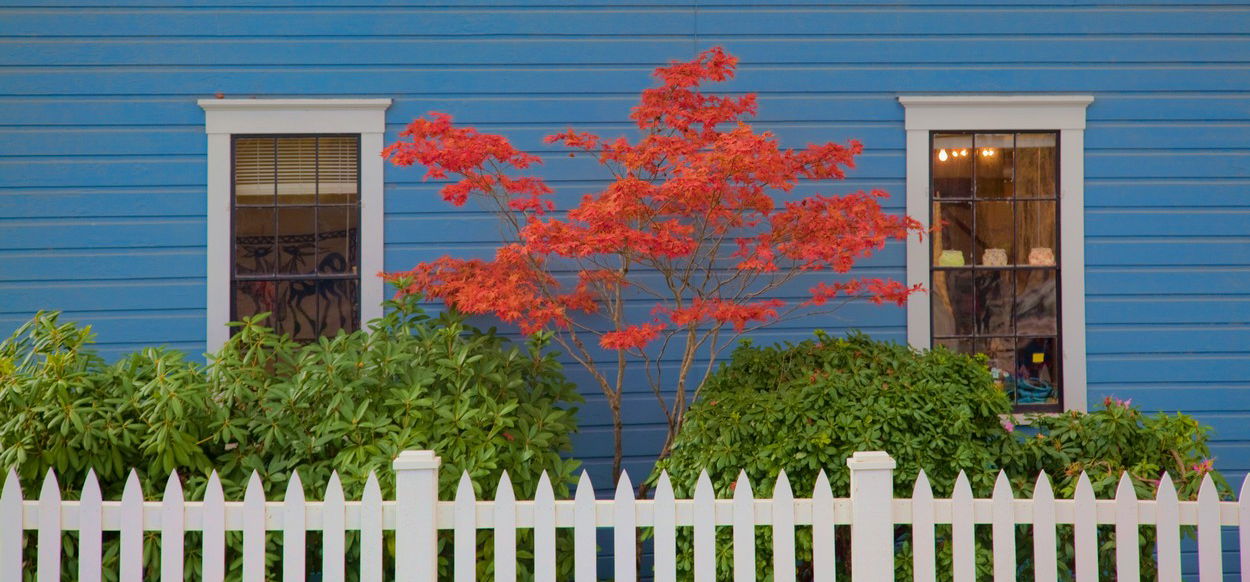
<point x="1205" y="467"/>
<point x="1008" y="425"/>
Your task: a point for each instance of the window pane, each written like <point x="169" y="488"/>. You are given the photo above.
<point x="253" y="170"/>
<point x="254" y="297"/>
<point x="962" y="346"/>
<point x="993" y="158"/>
<point x="952" y="243"/>
<point x="297" y="308"/>
<point x="338" y="301"/>
<point x="297" y="170"/>
<point x="951" y="301"/>
<point x="1035" y="233"/>
<point x="337" y="170"/>
<point x="1036" y="302"/>
<point x="994" y="302"/>
<point x="995" y="225"/>
<point x="952" y="166"/>
<point x="1035" y="165"/>
<point x="334" y="230"/>
<point x="1037" y="378"/>
<point x="254" y="241"/>
<point x="1002" y="361"/>
<point x="297" y="235"/>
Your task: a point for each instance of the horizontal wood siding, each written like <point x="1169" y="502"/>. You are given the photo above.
<point x="102" y="151"/>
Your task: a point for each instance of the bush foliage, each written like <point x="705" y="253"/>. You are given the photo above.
<point x="806" y="407"/>
<point x="349" y="403"/>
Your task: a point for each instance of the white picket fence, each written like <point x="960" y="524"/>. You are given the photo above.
<point x="416" y="516"/>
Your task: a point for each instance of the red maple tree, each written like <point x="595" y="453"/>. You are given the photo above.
<point x="688" y="224"/>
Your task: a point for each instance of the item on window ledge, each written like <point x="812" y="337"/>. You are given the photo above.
<point x="994" y="258"/>
<point x="951" y="259"/>
<point x="1041" y="256"/>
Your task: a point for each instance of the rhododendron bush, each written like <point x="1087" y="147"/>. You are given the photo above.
<point x="697" y="218"/>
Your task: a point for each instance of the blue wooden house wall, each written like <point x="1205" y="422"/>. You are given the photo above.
<point x="103" y="168"/>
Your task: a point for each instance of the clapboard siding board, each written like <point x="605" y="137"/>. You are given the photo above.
<point x="102" y="151"/>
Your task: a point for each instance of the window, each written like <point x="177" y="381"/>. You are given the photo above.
<point x="1003" y="177"/>
<point x="296" y="242"/>
<point x="294" y="213"/>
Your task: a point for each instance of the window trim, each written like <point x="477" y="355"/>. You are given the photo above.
<point x="226" y="117"/>
<point x="1062" y="113"/>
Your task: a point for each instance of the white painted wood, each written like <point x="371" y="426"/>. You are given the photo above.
<point x="254" y="530"/>
<point x="294" y="530"/>
<point x="1210" y="551"/>
<point x="1065" y="113"/>
<point x="213" y="559"/>
<point x="824" y="552"/>
<point x="1004" y="530"/>
<point x="333" y="526"/>
<point x="624" y="531"/>
<point x="465" y="531"/>
<point x="11" y="528"/>
<point x="1243" y="527"/>
<point x="1127" y="552"/>
<point x="544" y="531"/>
<point x="505" y="530"/>
<point x="224" y="117"/>
<point x="584" y="560"/>
<point x="964" y="559"/>
<point x="665" y="531"/>
<point x="743" y="529"/>
<point x="924" y="557"/>
<point x="1045" y="566"/>
<point x="371" y="531"/>
<point x="1167" y="520"/>
<point x="49" y="540"/>
<point x="872" y="515"/>
<point x="89" y="530"/>
<point x="783" y="530"/>
<point x="704" y="530"/>
<point x="1085" y="537"/>
<point x="416" y="494"/>
<point x="173" y="532"/>
<point x="131" y="531"/>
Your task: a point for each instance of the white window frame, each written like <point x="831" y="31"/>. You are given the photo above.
<point x="227" y="117"/>
<point x="1062" y="113"/>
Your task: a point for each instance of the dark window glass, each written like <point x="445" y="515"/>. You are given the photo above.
<point x="995" y="271"/>
<point x="296" y="217"/>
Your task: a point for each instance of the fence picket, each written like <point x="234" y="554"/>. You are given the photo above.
<point x="11" y="528"/>
<point x="624" y="530"/>
<point x="544" y="531"/>
<point x="1210" y="552"/>
<point x="254" y="530"/>
<point x="213" y="560"/>
<point x="333" y="538"/>
<point x="665" y="531"/>
<point x="964" y="560"/>
<point x="824" y="553"/>
<point x="1045" y="566"/>
<point x="783" y="530"/>
<point x="704" y="530"/>
<point x="1167" y="528"/>
<point x="172" y="531"/>
<point x="371" y="531"/>
<point x="89" y="530"/>
<point x="505" y="530"/>
<point x="924" y="557"/>
<point x="1004" y="530"/>
<point x="294" y="530"/>
<point x="49" y="551"/>
<point x="466" y="531"/>
<point x="743" y="529"/>
<point x="1085" y="538"/>
<point x="584" y="566"/>
<point x="1127" y="556"/>
<point x="1243" y="527"/>
<point x="131" y="553"/>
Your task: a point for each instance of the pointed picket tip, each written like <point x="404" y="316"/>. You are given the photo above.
<point x="504" y="489"/>
<point x="173" y="485"/>
<point x="334" y="487"/>
<point x="922" y="489"/>
<point x="1042" y="488"/>
<point x="1167" y="489"/>
<point x="742" y="487"/>
<point x="464" y="489"/>
<point x="822" y="490"/>
<point x="664" y="487"/>
<point x="963" y="487"/>
<point x="50" y="489"/>
<point x="254" y="487"/>
<point x="212" y="490"/>
<point x="373" y="489"/>
<point x="782" y="488"/>
<point x="1125" y="488"/>
<point x="12" y="488"/>
<point x="1002" y="486"/>
<point x="90" y="487"/>
<point x="585" y="489"/>
<point x="1084" y="487"/>
<point x="624" y="488"/>
<point x="704" y="484"/>
<point x="544" y="482"/>
<point x="294" y="488"/>
<point x="1244" y="494"/>
<point x="1207" y="491"/>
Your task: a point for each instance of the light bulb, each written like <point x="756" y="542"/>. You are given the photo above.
<point x="942" y="155"/>
<point x="963" y="153"/>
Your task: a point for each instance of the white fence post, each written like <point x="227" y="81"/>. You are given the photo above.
<point x="872" y="516"/>
<point x="416" y="528"/>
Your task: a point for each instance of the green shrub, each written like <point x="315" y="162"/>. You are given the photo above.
<point x="806" y="407"/>
<point x="349" y="403"/>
